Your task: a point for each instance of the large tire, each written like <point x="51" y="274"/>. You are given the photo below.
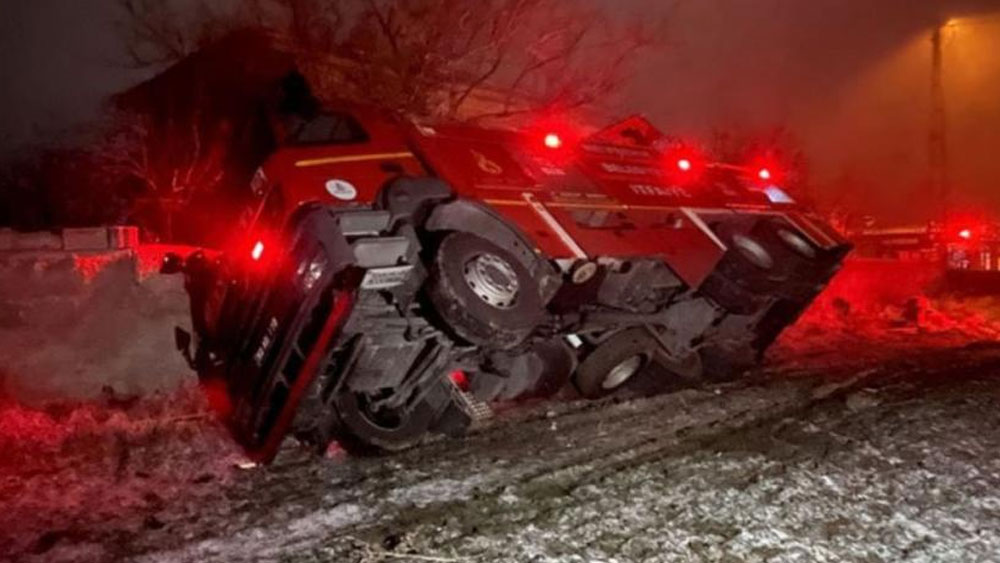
<point x="558" y="361"/>
<point x="364" y="433"/>
<point x="613" y="363"/>
<point x="483" y="293"/>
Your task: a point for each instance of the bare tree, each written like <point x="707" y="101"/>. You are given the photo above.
<point x="168" y="164"/>
<point x="423" y="57"/>
<point x="433" y="56"/>
<point x="154" y="33"/>
<point x="450" y="59"/>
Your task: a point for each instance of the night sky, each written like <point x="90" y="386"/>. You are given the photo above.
<point x="850" y="78"/>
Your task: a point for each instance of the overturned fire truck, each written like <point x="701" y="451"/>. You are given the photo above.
<point x="393" y="279"/>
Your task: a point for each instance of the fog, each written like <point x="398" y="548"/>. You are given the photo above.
<point x="850" y="79"/>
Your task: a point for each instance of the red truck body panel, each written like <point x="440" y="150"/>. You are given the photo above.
<point x="566" y="200"/>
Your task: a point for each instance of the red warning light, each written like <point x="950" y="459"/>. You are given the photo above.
<point x="765" y="170"/>
<point x="258" y="250"/>
<point x="965" y="234"/>
<point x="684" y="163"/>
<point x="553" y="138"/>
<point x="460" y="380"/>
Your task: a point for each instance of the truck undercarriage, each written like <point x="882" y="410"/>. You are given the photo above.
<point x="378" y="326"/>
<point x="374" y="323"/>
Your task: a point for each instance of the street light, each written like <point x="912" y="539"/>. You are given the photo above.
<point x="938" y="135"/>
<point x="937" y="139"/>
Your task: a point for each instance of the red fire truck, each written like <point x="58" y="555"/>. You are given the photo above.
<point x="394" y="278"/>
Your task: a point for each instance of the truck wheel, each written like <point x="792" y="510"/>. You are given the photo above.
<point x="613" y="363"/>
<point x="483" y="293"/>
<point x="362" y="430"/>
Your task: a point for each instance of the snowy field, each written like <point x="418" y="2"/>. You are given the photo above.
<point x="849" y="445"/>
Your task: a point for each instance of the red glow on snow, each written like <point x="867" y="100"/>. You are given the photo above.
<point x="89" y="266"/>
<point x="258" y="251"/>
<point x="217" y="396"/>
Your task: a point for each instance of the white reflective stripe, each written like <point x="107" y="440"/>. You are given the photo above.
<point x="553" y="224"/>
<point x="704" y="228"/>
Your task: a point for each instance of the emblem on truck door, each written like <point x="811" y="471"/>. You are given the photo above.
<point x="341" y="189"/>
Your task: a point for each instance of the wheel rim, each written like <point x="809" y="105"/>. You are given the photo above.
<point x="622" y="372"/>
<point x="493" y="280"/>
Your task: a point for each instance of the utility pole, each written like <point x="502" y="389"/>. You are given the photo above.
<point x="938" y="140"/>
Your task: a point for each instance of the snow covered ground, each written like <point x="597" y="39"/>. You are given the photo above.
<point x="859" y="443"/>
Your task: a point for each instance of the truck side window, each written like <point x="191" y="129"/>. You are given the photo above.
<point x="328" y="129"/>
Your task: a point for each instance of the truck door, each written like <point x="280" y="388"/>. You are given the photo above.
<point x="344" y="158"/>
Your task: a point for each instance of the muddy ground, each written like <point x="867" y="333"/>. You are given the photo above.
<point x="834" y="451"/>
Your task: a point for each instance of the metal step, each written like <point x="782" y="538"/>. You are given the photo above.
<point x="474" y="408"/>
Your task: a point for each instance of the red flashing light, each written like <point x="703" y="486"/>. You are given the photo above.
<point x="552" y="138"/>
<point x="460" y="380"/>
<point x="258" y="251"/>
<point x="684" y="164"/>
<point x="965" y="234"/>
<point x="765" y="169"/>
